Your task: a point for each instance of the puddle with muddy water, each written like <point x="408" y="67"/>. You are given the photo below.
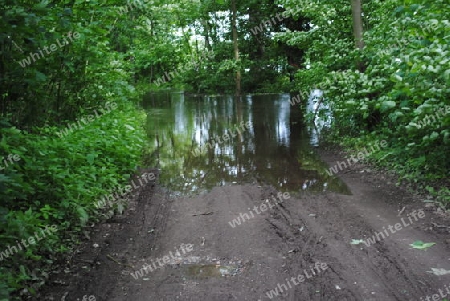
<point x="211" y="270"/>
<point x="202" y="142"/>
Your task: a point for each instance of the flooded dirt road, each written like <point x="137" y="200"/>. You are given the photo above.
<point x="258" y="218"/>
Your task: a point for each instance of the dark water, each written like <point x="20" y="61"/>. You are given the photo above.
<point x="274" y="150"/>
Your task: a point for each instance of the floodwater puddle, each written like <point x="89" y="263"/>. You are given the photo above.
<point x="211" y="270"/>
<point x="203" y="142"/>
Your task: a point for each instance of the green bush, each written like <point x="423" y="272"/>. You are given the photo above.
<point x="58" y="181"/>
<point x="396" y="88"/>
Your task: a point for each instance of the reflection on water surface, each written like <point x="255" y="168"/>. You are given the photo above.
<point x="202" y="142"/>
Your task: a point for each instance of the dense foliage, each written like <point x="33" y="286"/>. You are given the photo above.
<point x="401" y="93"/>
<point x="69" y="129"/>
<point x="58" y="181"/>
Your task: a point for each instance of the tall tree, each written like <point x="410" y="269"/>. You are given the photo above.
<point x="236" y="46"/>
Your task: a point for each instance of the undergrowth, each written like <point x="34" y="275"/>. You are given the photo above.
<point x="57" y="181"/>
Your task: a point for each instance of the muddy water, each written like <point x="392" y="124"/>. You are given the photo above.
<point x="206" y="141"/>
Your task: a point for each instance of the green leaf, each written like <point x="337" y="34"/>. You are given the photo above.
<point x="388" y="104"/>
<point x="40" y="77"/>
<point x="84" y="217"/>
<point x="421" y="245"/>
<point x="41" y="6"/>
<point x="130" y="127"/>
<point x="434" y="136"/>
<point x="439" y="272"/>
<point x="356" y="241"/>
<point x="90" y="158"/>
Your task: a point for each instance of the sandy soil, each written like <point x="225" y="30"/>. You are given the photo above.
<point x="301" y="246"/>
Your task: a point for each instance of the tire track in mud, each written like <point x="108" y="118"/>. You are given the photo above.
<point x="261" y="253"/>
<point x="303" y="249"/>
<point x="389" y="276"/>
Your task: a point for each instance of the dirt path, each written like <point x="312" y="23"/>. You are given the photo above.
<point x="200" y="256"/>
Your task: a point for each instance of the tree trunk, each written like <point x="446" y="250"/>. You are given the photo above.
<point x="206" y="30"/>
<point x="358" y="30"/>
<point x="357" y="23"/>
<point x="236" y="46"/>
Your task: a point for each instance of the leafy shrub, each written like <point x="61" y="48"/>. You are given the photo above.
<point x="58" y="182"/>
<point x="402" y="92"/>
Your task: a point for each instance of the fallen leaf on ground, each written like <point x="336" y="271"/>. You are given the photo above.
<point x="357" y="241"/>
<point x="439" y="272"/>
<point x="418" y="244"/>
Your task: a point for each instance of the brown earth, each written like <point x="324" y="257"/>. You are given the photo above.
<point x="307" y="235"/>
